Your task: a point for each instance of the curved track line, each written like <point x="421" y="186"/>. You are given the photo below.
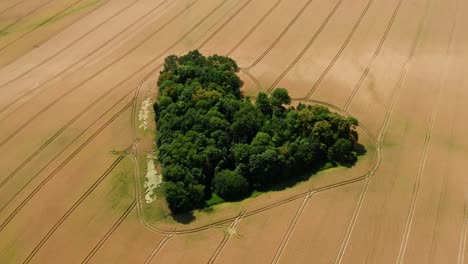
<point x="75" y="205"/>
<point x="158" y="248"/>
<point x="228" y="234"/>
<point x="286" y="29"/>
<point x="296" y="60"/>
<point x="422" y="164"/>
<point x="383" y="130"/>
<point x="68" y="46"/>
<point x="64" y="149"/>
<point x="57" y="225"/>
<point x="109" y="233"/>
<point x="292" y="226"/>
<point x="374" y="56"/>
<point x="58" y="133"/>
<point x="56" y="170"/>
<point x="108" y="66"/>
<point x="89" y="55"/>
<point x="343" y="47"/>
<point x="73" y="120"/>
<point x="26" y="15"/>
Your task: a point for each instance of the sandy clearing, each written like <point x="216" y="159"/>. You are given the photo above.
<point x="260" y="234"/>
<point x="322" y="226"/>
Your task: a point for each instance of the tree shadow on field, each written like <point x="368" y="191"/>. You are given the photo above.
<point x="360" y="149"/>
<point x="185" y="219"/>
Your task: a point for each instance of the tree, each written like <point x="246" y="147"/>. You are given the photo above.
<point x="263" y="103"/>
<point x="342" y="152"/>
<point x="280" y="97"/>
<point x="211" y="139"/>
<point x="230" y="185"/>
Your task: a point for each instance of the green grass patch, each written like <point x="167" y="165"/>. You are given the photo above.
<point x="121" y="185"/>
<point x="215" y="199"/>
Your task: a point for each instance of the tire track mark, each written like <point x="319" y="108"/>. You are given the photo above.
<point x="374" y="56"/>
<point x="317" y="33"/>
<point x="254" y="28"/>
<point x="25" y="16"/>
<point x="56" y="170"/>
<point x="383" y="130"/>
<point x="229" y="232"/>
<point x="58" y="14"/>
<point x="292" y="226"/>
<point x="30" y="120"/>
<point x="40" y="42"/>
<point x="76" y="204"/>
<point x="61" y="130"/>
<point x="109" y="233"/>
<point x="68" y="46"/>
<point x="286" y="29"/>
<point x="62" y="151"/>
<point x="64" y="70"/>
<point x="158" y="248"/>
<point x="49" y="234"/>
<point x="10" y="7"/>
<point x="427" y="139"/>
<point x="343" y="47"/>
<point x="50" y="140"/>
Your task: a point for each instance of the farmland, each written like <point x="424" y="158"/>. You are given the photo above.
<point x="75" y="76"/>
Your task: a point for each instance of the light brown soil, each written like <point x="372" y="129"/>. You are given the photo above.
<point x="71" y="158"/>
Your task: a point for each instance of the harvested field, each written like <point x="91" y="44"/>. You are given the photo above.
<point x="75" y="73"/>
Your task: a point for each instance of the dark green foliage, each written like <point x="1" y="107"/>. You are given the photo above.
<point x="212" y="140"/>
<point x="230" y="185"/>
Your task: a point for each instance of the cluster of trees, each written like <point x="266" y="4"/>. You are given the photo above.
<point x="212" y="139"/>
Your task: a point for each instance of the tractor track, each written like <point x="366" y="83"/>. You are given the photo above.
<point x="25" y="16"/>
<point x="427" y="140"/>
<point x="374" y="56"/>
<point x="281" y="35"/>
<point x="66" y="69"/>
<point x="227" y="235"/>
<point x="64" y="10"/>
<point x="382" y="133"/>
<point x="39" y="112"/>
<point x="69" y="45"/>
<point x="56" y="170"/>
<point x="312" y="41"/>
<point x="10" y="7"/>
<point x="340" y="51"/>
<point x="50" y="140"/>
<point x="40" y="42"/>
<point x="75" y="205"/>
